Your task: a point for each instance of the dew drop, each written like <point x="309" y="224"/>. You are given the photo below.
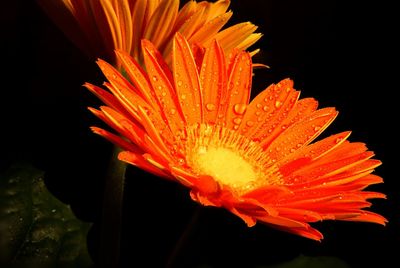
<point x="292" y="150"/>
<point x="278" y="104"/>
<point x="210" y="106"/>
<point x="317" y="128"/>
<point x="179" y="83"/>
<point x="249" y="123"/>
<point x="259" y="106"/>
<point x="154" y="78"/>
<point x="183" y="96"/>
<point x="173" y="111"/>
<point x="237" y="121"/>
<point x="239" y="108"/>
<point x="338" y="140"/>
<point x="265" y="108"/>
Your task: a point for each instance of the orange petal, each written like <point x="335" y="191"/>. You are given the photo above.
<point x="123" y="12"/>
<point x="138" y="77"/>
<point x="128" y="99"/>
<point x="264" y="107"/>
<point x="249" y="220"/>
<point x="113" y="23"/>
<point x="234" y="35"/>
<point x="275" y="125"/>
<point x="318" y="149"/>
<point x="184" y="14"/>
<point x="282" y="221"/>
<point x="307" y="232"/>
<point x="218" y="8"/>
<point x="210" y="29"/>
<point x="332" y="168"/>
<point x="268" y="194"/>
<point x="249" y="41"/>
<point x="302" y="133"/>
<point x="163" y="89"/>
<point x="114" y="76"/>
<point x="161" y="22"/>
<point x="107" y="98"/>
<point x="117" y="140"/>
<point x="367" y="216"/>
<point x="127" y="128"/>
<point x="139" y="161"/>
<point x="153" y="131"/>
<point x="213" y="80"/>
<point x="187" y="82"/>
<point x="238" y="93"/>
<point x="299" y="214"/>
<point x="138" y="16"/>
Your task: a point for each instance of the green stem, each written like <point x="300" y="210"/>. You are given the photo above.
<point x="111" y="222"/>
<point x="184" y="239"/>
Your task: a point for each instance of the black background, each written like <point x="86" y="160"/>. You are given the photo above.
<point x="343" y="55"/>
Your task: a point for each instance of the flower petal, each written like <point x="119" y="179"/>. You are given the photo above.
<point x="187" y="82"/>
<point x="161" y="22"/>
<point x="302" y="133"/>
<point x="213" y="80"/>
<point x="235" y="100"/>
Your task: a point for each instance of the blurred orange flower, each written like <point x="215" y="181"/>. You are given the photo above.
<point x="101" y="26"/>
<point x="194" y="124"/>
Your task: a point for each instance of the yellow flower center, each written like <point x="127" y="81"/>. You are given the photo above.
<point x="224" y="165"/>
<point x="230" y="158"/>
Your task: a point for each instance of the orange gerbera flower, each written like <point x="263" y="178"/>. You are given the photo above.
<point x="195" y="125"/>
<point x="106" y="25"/>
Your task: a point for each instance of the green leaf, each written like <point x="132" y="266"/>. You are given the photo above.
<point x="35" y="227"/>
<point x="311" y="262"/>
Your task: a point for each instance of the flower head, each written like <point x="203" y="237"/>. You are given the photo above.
<point x="194" y="124"/>
<point x="101" y="26"/>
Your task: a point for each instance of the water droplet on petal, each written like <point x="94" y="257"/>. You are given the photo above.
<point x="173" y="111"/>
<point x="183" y="96"/>
<point x="239" y="108"/>
<point x="338" y="140"/>
<point x="258" y="105"/>
<point x="179" y="83"/>
<point x="278" y="104"/>
<point x="154" y="78"/>
<point x="265" y="108"/>
<point x="210" y="106"/>
<point x="237" y="121"/>
<point x="163" y="93"/>
<point x="250" y="123"/>
<point x="317" y="128"/>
